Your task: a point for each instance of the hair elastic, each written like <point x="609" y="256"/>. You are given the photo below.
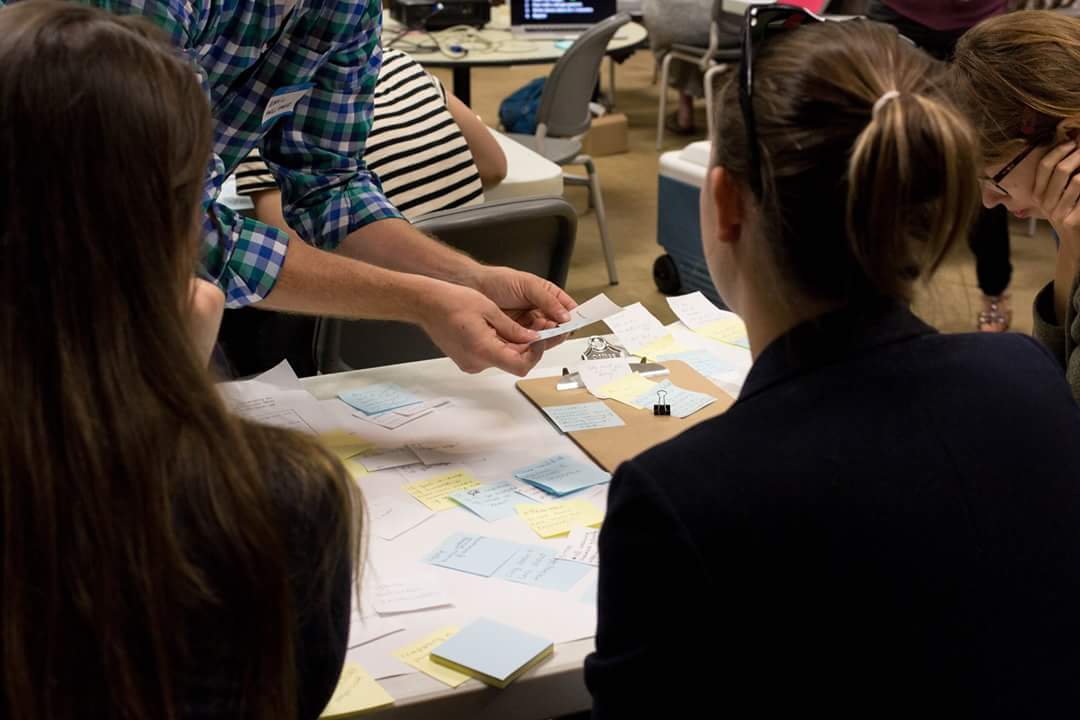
<point x="884" y="100"/>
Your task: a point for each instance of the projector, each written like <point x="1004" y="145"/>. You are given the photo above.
<point x="440" y="14"/>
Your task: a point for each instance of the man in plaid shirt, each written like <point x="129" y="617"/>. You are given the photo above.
<point x="295" y="78"/>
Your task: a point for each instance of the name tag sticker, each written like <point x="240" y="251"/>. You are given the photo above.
<point x="284" y="102"/>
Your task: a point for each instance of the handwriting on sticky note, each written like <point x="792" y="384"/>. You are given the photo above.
<point x="555" y="519"/>
<point x="583" y="416"/>
<point x="583" y="546"/>
<point x="635" y="327"/>
<point x="695" y="310"/>
<point x="702" y="361"/>
<point x="663" y="346"/>
<point x="380" y="398"/>
<point x="627" y="388"/>
<point x="473" y="554"/>
<point x="595" y="374"/>
<point x="418" y="655"/>
<point x="539" y="566"/>
<point x="435" y="492"/>
<point x="492" y="501"/>
<point x="356" y="692"/>
<point x="559" y="475"/>
<point x="683" y="402"/>
<point x="408" y="595"/>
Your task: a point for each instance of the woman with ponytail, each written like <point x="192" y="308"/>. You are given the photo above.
<point x="852" y="539"/>
<point x="159" y="557"/>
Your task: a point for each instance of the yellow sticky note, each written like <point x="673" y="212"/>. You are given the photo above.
<point x="728" y="330"/>
<point x="356" y="693"/>
<point x="626" y="388"/>
<point x="556" y="519"/>
<point x="355" y="468"/>
<point x="418" y="655"/>
<point x="434" y="492"/>
<point x="666" y="345"/>
<point x="344" y="444"/>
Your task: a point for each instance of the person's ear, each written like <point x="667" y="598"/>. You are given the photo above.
<point x="727" y="198"/>
<point x="1069" y="128"/>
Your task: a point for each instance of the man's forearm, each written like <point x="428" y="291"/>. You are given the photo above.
<point x="397" y="245"/>
<point x="314" y="282"/>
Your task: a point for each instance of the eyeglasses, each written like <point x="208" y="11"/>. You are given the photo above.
<point x="761" y="22"/>
<point x="995" y="181"/>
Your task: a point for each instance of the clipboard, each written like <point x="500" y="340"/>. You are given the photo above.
<point x="609" y="447"/>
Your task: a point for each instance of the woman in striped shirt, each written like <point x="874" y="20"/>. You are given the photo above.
<point x="428" y="150"/>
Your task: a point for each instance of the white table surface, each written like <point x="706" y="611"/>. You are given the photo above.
<point x="497" y="415"/>
<point x="528" y="174"/>
<point x="508" y="49"/>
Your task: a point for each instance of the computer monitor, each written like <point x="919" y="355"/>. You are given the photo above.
<point x="548" y="15"/>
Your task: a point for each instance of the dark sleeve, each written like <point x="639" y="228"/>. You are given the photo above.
<point x="647" y="601"/>
<point x="323" y="602"/>
<point x="1047" y="329"/>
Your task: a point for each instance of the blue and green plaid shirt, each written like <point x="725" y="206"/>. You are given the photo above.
<point x="318" y="62"/>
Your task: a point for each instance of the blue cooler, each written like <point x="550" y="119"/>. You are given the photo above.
<point x="682" y="269"/>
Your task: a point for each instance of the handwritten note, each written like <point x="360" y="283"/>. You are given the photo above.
<point x="391" y="516"/>
<point x="583" y="416"/>
<point x="695" y="310"/>
<point x="533" y="493"/>
<point x="473" y="554"/>
<point x="435" y="492"/>
<point x="556" y="519"/>
<point x="492" y="502"/>
<point x="595" y="374"/>
<point x="408" y="595"/>
<point x="583" y="546"/>
<point x="731" y="331"/>
<point x="356" y="692"/>
<point x="664" y="346"/>
<point x="377" y="460"/>
<point x="585" y="314"/>
<point x="559" y="475"/>
<point x="627" y="389"/>
<point x="418" y="655"/>
<point x="636" y="327"/>
<point x="380" y="398"/>
<point x="683" y="402"/>
<point x="539" y="566"/>
<point x="702" y="361"/>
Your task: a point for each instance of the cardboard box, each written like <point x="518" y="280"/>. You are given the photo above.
<point x="609" y="135"/>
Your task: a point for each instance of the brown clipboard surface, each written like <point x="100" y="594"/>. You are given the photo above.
<point x="643" y="430"/>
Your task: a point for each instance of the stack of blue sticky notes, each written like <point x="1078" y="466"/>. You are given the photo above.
<point x="559" y="475"/>
<point x="492" y="653"/>
<point x="379" y="399"/>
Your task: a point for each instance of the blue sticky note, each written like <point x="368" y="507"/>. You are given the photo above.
<point x="683" y="402"/>
<point x="473" y="554"/>
<point x="701" y="360"/>
<point x="583" y="416"/>
<point x="492" y="649"/>
<point x="539" y="566"/>
<point x="491" y="502"/>
<point x="559" y="475"/>
<point x="378" y="399"/>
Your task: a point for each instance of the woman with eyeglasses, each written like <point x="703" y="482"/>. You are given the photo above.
<point x="854" y="538"/>
<point x="159" y="557"/>
<point x="1016" y="76"/>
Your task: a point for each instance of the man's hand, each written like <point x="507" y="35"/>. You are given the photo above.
<point x="207" y="304"/>
<point x="476" y="334"/>
<point x="532" y="301"/>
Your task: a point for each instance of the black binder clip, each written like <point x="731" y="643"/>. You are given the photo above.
<point x="661" y="407"/>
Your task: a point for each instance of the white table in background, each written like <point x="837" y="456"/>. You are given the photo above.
<point x="556" y="687"/>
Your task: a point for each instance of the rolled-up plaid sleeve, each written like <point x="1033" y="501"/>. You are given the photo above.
<point x="316" y="153"/>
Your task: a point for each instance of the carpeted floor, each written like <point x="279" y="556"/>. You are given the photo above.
<point x="629" y="182"/>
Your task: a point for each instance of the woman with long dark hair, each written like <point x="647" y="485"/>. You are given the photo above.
<point x="158" y="556"/>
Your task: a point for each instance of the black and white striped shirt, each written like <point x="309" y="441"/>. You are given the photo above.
<point x="415" y="148"/>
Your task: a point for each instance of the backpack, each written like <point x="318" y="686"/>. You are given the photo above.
<point x="517" y="113"/>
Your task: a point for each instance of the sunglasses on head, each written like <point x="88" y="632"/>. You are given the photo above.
<point x="761" y="23"/>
